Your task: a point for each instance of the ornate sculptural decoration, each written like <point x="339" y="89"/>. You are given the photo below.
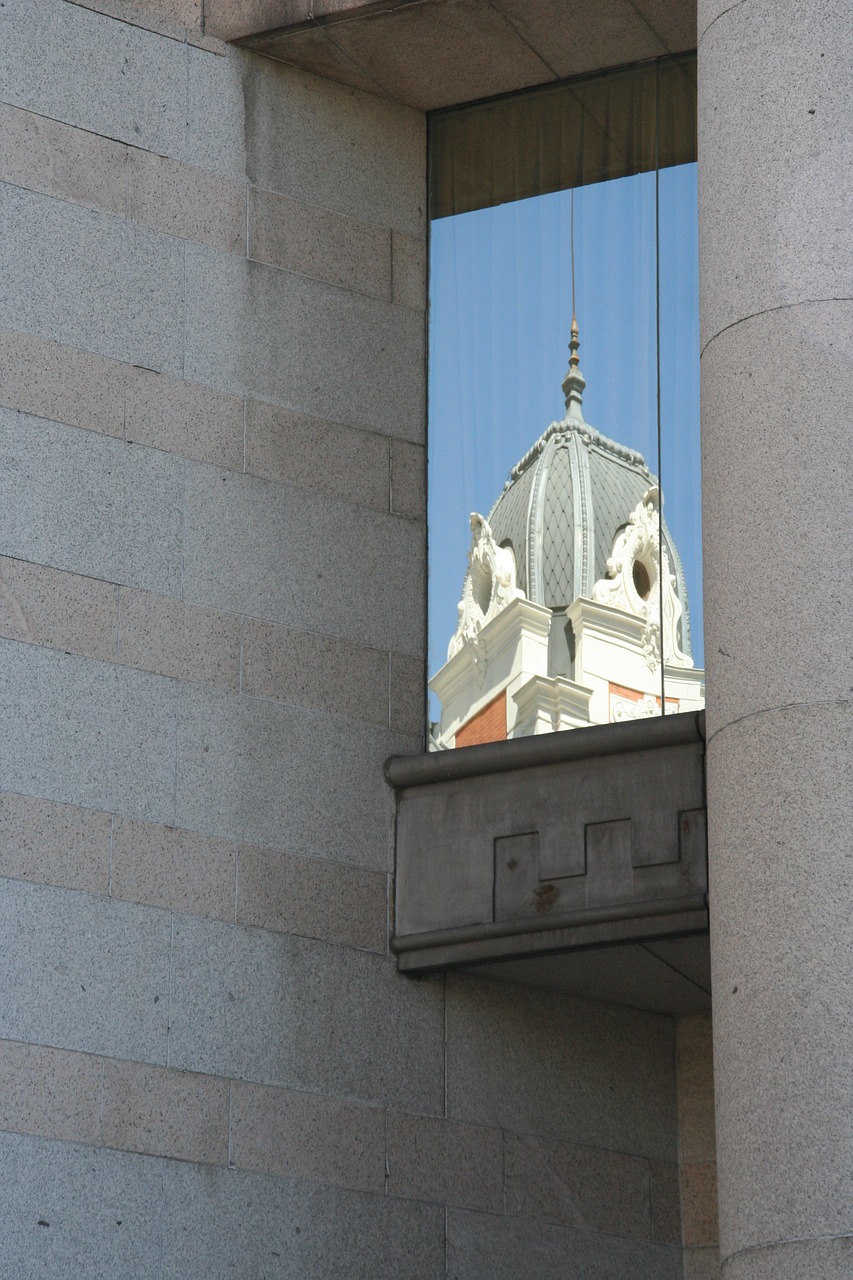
<point x="490" y="585"/>
<point x="637" y="585"/>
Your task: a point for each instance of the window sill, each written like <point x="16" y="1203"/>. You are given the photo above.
<point x="572" y="860"/>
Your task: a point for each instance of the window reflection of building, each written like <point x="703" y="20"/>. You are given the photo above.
<point x="574" y="607"/>
<point x="506" y="176"/>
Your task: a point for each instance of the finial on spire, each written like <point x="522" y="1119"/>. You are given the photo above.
<point x="574" y="381"/>
<point x="574" y="342"/>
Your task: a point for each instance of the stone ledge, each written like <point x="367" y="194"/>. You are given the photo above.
<point x="229" y="21"/>
<point x="543" y="749"/>
<point x="517" y="857"/>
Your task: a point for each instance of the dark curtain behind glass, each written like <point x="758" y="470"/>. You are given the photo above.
<point x="589" y="130"/>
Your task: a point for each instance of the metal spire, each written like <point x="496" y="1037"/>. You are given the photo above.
<point x="574" y="381"/>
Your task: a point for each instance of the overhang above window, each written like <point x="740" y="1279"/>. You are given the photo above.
<point x="434" y="53"/>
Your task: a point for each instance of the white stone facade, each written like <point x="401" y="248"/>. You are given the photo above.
<point x="501" y="647"/>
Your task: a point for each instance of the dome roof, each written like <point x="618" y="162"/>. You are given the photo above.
<point x="565" y="502"/>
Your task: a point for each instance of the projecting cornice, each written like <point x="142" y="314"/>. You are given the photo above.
<point x="571" y="860"/>
<point x="435" y="53"/>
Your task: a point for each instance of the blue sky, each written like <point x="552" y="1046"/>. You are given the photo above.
<point x="500" y="312"/>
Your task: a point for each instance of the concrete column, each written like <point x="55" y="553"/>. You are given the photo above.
<point x="776" y="157"/>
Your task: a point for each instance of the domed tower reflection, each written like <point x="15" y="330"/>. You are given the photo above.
<point x="574" y="608"/>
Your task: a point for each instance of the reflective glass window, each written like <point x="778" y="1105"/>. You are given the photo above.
<point x="564" y="503"/>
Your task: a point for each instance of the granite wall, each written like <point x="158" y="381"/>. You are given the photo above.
<point x="212" y="578"/>
<point x="697" y="1148"/>
<point x="776" y="318"/>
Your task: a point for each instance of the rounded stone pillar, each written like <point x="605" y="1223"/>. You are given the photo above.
<point x="776" y="254"/>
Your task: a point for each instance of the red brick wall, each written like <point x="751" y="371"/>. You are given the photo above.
<point x="488" y="725"/>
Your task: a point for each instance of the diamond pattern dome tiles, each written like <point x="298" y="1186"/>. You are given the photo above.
<point x="558" y="540"/>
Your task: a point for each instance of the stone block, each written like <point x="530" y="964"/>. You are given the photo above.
<point x="218" y="1224"/>
<point x="603" y="33"/>
<point x="665" y="1198"/>
<point x="58" y="160"/>
<point x="315" y="671"/>
<point x="703" y="1264"/>
<point x="688" y="956"/>
<point x="699" y="1204"/>
<point x="274" y="335"/>
<point x="486" y="1247"/>
<point x="312" y="898"/>
<point x="286" y="1011"/>
<point x="45" y="606"/>
<point x="511" y="1051"/>
<point x="792" y="1260"/>
<point x="50" y="1092"/>
<point x="56" y="844"/>
<point x="284" y="777"/>
<point x="516" y="877"/>
<point x="316" y="242"/>
<point x="61" y="383"/>
<point x="168" y="1113"/>
<point x="84" y="973"/>
<point x="89" y="279"/>
<point x="175" y="638"/>
<point x="307" y="138"/>
<point x="184" y="201"/>
<point x="232" y="21"/>
<point x="408" y="694"/>
<point x="91" y="504"/>
<point x="304" y="1135"/>
<point x="408" y="479"/>
<point x="775" y="225"/>
<point x="459" y="1164"/>
<point x="409" y="270"/>
<point x="304" y="560"/>
<point x="68" y="1209"/>
<point x="708" y="11"/>
<point x="167" y="867"/>
<point x="624" y="974"/>
<point x="780" y="835"/>
<point x="184" y="417"/>
<point x="576" y="1186"/>
<point x="768" y="656"/>
<point x="216" y="111"/>
<point x="695" y="1067"/>
<point x="471" y="45"/>
<point x="86" y="733"/>
<point x="178" y="19"/>
<point x="331" y="8"/>
<point x="312" y="49"/>
<point x="673" y="24"/>
<point x="323" y="456"/>
<point x="62" y="61"/>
